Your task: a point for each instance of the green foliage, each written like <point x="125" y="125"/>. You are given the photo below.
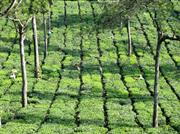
<point x="61" y="114"/>
<point x="23" y="10"/>
<point x="39" y="6"/>
<point x="120" y="10"/>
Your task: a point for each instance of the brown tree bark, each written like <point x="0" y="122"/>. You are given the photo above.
<point x="36" y="50"/>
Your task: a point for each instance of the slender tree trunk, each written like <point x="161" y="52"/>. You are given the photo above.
<point x="129" y="37"/>
<point x="49" y="23"/>
<point x="23" y="66"/>
<point x="156" y="82"/>
<point x="49" y="28"/>
<point x="45" y="37"/>
<point x="36" y="51"/>
<point x="13" y="3"/>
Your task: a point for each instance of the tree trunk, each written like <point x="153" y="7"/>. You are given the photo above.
<point x="23" y="66"/>
<point x="49" y="21"/>
<point x="36" y="51"/>
<point x="49" y="28"/>
<point x="45" y="37"/>
<point x="156" y="82"/>
<point x="129" y="38"/>
<point x="13" y="3"/>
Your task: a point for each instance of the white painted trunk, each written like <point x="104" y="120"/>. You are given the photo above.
<point x="23" y="66"/>
<point x="36" y="50"/>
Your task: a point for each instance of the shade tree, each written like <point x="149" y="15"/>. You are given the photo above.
<point x="160" y="13"/>
<point x="21" y="13"/>
<point x="120" y="12"/>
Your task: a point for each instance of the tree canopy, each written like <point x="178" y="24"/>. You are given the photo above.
<point x="119" y="10"/>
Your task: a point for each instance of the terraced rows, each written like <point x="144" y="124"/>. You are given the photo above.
<point x="167" y="95"/>
<point x="6" y="96"/>
<point x="5" y="56"/>
<point x="89" y="84"/>
<point x="141" y="68"/>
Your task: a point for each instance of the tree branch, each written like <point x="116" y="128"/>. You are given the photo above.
<point x="28" y="20"/>
<point x="167" y="37"/>
<point x="19" y="2"/>
<point x="15" y="20"/>
<point x="9" y="8"/>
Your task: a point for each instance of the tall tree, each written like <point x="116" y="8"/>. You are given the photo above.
<point x="128" y="26"/>
<point x="44" y="9"/>
<point x="120" y="10"/>
<point x="45" y="36"/>
<point x="161" y="14"/>
<point x="50" y="3"/>
<point x="18" y="13"/>
<point x="38" y="7"/>
<point x="21" y="28"/>
<point x="161" y="38"/>
<point x="33" y="9"/>
<point x="36" y="48"/>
